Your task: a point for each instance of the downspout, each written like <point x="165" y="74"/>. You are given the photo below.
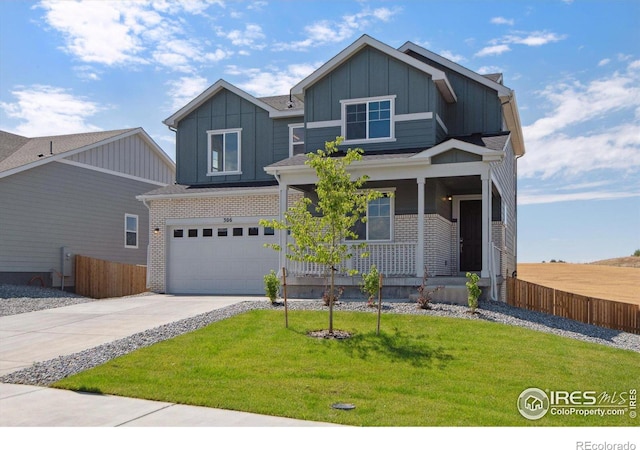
<point x="492" y="275"/>
<point x="144" y="202"/>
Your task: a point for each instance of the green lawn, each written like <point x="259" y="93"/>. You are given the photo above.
<point x="421" y="370"/>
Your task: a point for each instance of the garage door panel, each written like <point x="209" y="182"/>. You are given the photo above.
<point x="219" y="264"/>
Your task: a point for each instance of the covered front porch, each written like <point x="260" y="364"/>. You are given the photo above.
<point x="445" y="218"/>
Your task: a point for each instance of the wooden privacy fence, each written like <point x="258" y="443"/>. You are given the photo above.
<point x="595" y="311"/>
<point x="97" y="278"/>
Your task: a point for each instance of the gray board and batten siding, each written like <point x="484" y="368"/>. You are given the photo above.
<point x="58" y="204"/>
<point x="131" y="156"/>
<point x="478" y="108"/>
<point x="371" y="73"/>
<point x="263" y="140"/>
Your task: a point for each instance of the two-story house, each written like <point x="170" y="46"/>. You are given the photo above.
<point x="442" y="138"/>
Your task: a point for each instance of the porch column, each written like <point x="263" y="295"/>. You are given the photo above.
<point x="420" y="244"/>
<point x="282" y="241"/>
<point x="486" y="224"/>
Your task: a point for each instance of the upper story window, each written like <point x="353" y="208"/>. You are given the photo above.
<point x="296" y="139"/>
<point x="224" y="151"/>
<point x="368" y="119"/>
<point x="130" y="231"/>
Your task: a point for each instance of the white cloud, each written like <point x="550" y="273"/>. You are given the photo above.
<point x="252" y="36"/>
<point x="335" y="31"/>
<point x="501" y="21"/>
<point x="273" y="81"/>
<point x="575" y="137"/>
<point x="493" y="50"/>
<point x="489" y="69"/>
<point x="44" y="110"/>
<point x="130" y="32"/>
<point x="452" y="57"/>
<point x="185" y="89"/>
<point x="535" y="199"/>
<point x="531" y="39"/>
<point x="604" y="62"/>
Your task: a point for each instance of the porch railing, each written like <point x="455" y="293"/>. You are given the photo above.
<point x="391" y="259"/>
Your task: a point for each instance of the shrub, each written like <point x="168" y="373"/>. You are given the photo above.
<point x="473" y="291"/>
<point x="425" y="295"/>
<point x="371" y="285"/>
<point x="637" y="252"/>
<point x="272" y="285"/>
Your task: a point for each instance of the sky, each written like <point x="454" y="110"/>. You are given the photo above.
<point x="77" y="66"/>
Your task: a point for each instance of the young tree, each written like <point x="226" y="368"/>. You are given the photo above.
<point x="321" y="232"/>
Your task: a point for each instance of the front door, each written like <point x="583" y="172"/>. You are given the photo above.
<point x="471" y="235"/>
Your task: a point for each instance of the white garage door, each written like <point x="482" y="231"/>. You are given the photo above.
<point x="219" y="259"/>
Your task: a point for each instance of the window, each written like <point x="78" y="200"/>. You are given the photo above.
<point x="378" y="226"/>
<point x="207" y="232"/>
<point x="269" y="231"/>
<point x="368" y="119"/>
<point x="178" y="233"/>
<point x="130" y="231"/>
<point x="237" y="231"/>
<point x="222" y="232"/>
<point x="253" y="231"/>
<point x="296" y="139"/>
<point x="224" y="152"/>
<point x="193" y="232"/>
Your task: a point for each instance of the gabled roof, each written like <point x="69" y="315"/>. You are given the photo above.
<point x="438" y="76"/>
<point x="490" y="148"/>
<point x="494" y="81"/>
<point x="33" y="152"/>
<point x="267" y="103"/>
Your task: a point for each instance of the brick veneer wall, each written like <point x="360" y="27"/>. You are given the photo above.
<point x="439" y="239"/>
<point x="160" y="210"/>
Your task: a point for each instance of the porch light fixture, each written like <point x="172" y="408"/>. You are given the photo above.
<point x="156" y="230"/>
<point x="449" y="197"/>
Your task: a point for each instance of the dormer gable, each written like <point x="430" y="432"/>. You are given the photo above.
<point x="438" y="76"/>
<point x="211" y="91"/>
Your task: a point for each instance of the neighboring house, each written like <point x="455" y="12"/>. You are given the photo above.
<point x="75" y="194"/>
<point x="443" y="139"/>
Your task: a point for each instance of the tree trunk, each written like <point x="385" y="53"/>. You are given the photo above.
<point x="331" y="299"/>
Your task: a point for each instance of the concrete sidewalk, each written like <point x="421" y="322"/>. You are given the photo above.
<point x="43" y="335"/>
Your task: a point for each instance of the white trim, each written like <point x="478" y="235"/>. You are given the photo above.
<point x="414" y="116"/>
<point x="451" y="144"/>
<point x="441" y="123"/>
<point x="110" y="172"/>
<point x="291" y="127"/>
<point x="324" y="124"/>
<point x="438" y="76"/>
<point x="203" y="221"/>
<point x="244" y="192"/>
<point x="211" y="133"/>
<point x="126" y="216"/>
<point x="366" y="100"/>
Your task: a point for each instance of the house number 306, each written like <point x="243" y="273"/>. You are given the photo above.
<point x="227" y="220"/>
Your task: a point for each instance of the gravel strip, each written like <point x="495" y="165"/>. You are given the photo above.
<point x="22" y="299"/>
<point x="47" y="372"/>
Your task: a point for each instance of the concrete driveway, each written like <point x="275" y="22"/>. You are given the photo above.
<point x="43" y="335"/>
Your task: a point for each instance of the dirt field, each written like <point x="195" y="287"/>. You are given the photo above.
<point x="610" y="283"/>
